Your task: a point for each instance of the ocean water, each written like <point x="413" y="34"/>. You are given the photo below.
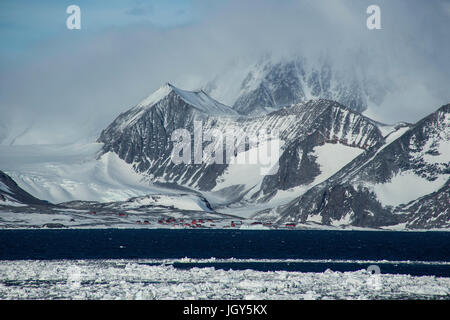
<point x="223" y="264"/>
<point x="410" y="253"/>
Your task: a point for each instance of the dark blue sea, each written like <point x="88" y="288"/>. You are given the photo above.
<point x="414" y="253"/>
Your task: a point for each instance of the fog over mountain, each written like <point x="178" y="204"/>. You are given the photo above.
<point x="69" y="85"/>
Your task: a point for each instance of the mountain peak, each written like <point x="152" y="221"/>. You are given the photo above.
<point x="156" y="96"/>
<point x="198" y="99"/>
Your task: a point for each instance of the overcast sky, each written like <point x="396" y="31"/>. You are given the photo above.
<point x="59" y="85"/>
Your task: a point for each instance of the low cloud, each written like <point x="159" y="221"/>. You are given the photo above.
<point x="68" y="89"/>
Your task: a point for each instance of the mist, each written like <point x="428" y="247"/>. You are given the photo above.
<point x="70" y="86"/>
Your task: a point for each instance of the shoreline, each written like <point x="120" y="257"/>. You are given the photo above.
<point x="226" y="229"/>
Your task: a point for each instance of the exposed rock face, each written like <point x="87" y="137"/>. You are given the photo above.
<point x="334" y="167"/>
<point x="331" y="123"/>
<point x="142" y="137"/>
<point x="430" y="211"/>
<point x="271" y="85"/>
<point x="339" y="167"/>
<point x="418" y="159"/>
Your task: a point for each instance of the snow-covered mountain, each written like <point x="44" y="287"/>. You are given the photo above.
<point x="275" y="83"/>
<point x="19" y="209"/>
<point x="60" y="173"/>
<point x="142" y="137"/>
<point x="12" y="195"/>
<point x="404" y="181"/>
<point x="320" y="140"/>
<point x="330" y="165"/>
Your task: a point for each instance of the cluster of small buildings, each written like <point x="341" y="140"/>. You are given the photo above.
<point x="206" y="223"/>
<point x="194" y="223"/>
<point x="210" y="223"/>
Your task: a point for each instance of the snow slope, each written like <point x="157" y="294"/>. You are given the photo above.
<point x="332" y="158"/>
<point x="60" y="173"/>
<point x="248" y="176"/>
<point x="405" y="187"/>
<point x="12" y="195"/>
<point x="432" y="157"/>
<point x="187" y="202"/>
